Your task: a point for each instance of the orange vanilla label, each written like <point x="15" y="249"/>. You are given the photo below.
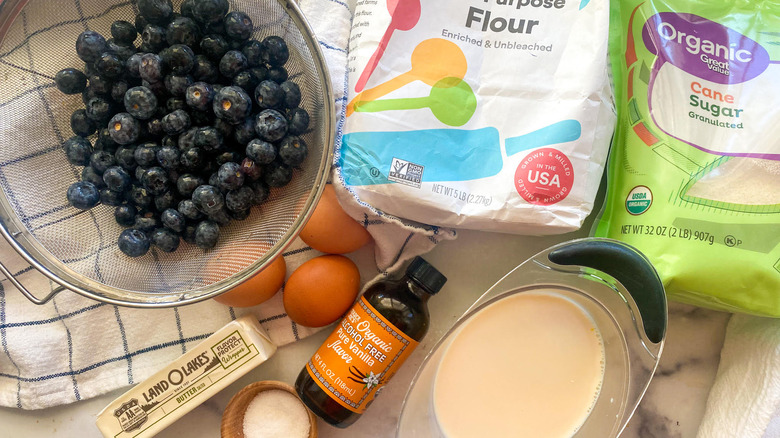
<point x="359" y="357"/>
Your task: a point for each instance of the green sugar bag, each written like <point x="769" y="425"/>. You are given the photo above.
<point x="694" y="170"/>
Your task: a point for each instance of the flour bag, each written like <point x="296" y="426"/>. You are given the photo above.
<point x="694" y="171"/>
<point x="481" y="114"/>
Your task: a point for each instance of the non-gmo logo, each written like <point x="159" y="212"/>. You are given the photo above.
<point x="405" y="172"/>
<point x="639" y="200"/>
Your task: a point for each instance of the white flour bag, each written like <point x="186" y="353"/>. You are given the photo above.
<point x="481" y="114"/>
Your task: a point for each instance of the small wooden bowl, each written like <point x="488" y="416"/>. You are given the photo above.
<point x="232" y="425"/>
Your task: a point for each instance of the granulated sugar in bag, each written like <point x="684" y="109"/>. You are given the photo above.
<point x="482" y="114"/>
<point x="694" y="171"/>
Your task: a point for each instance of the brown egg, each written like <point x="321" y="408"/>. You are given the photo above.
<point x="258" y="288"/>
<point x="321" y="290"/>
<point x="330" y="229"/>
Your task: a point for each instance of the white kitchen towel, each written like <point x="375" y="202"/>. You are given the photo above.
<point x="744" y="401"/>
<point x="73" y="348"/>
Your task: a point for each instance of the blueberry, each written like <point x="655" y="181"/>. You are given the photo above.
<point x="101" y="160"/>
<point x="245" y="80"/>
<point x="276" y="51"/>
<point x="100" y="85"/>
<point x="192" y="159"/>
<point x="259" y="74"/>
<point x="164" y="201"/>
<point x="146" y="222"/>
<point x="183" y="30"/>
<point x="151" y="68"/>
<point x="189" y="234"/>
<point x="140" y="102"/>
<point x="187" y="8"/>
<point x="125" y="157"/>
<point x="125" y="215"/>
<point x="224" y="128"/>
<point x="208" y="138"/>
<point x="155" y="180"/>
<point x="232" y="104"/>
<point x="154" y="127"/>
<point x="250" y="169"/>
<point x="269" y="94"/>
<point x="293" y="150"/>
<point x="70" y="81"/>
<point x="145" y="154"/>
<point x="83" y="195"/>
<point x="278" y="74"/>
<point x="227" y="157"/>
<point x="90" y="92"/>
<point x="110" y="65"/>
<point x="77" y="150"/>
<point x="204" y="70"/>
<point x="270" y="125"/>
<point x="210" y="11"/>
<point x="177" y="85"/>
<point x="104" y="142"/>
<point x="153" y="38"/>
<point x="239" y="215"/>
<point x="277" y="174"/>
<point x="173" y="220"/>
<point x="208" y="199"/>
<point x="261" y="191"/>
<point x="124" y="32"/>
<point x="88" y="174"/>
<point x="81" y="124"/>
<point x="214" y="46"/>
<point x="199" y="96"/>
<point x="261" y="152"/>
<point x="168" y="157"/>
<point x="99" y="110"/>
<point x="188" y="210"/>
<point x="292" y="94"/>
<point x="133" y="243"/>
<point x="112" y="198"/>
<point x="229" y="176"/>
<point x="297" y="121"/>
<point x="239" y="199"/>
<point x="206" y="234"/>
<point x="238" y="25"/>
<point x="232" y="62"/>
<point x="156" y="11"/>
<point x="176" y="122"/>
<point x="141" y="197"/>
<point x="139" y="173"/>
<point x="116" y="179"/>
<point x="175" y="103"/>
<point x="187" y="183"/>
<point x="124" y="128"/>
<point x="140" y="23"/>
<point x="89" y="45"/>
<point x="244" y="132"/>
<point x="187" y="140"/>
<point x="253" y="51"/>
<point x="221" y="217"/>
<point x="178" y="58"/>
<point x="165" y="239"/>
<point x="118" y="90"/>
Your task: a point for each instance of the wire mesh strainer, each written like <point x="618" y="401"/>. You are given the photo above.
<point x="78" y="249"/>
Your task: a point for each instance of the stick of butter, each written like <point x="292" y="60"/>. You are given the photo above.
<point x="218" y="361"/>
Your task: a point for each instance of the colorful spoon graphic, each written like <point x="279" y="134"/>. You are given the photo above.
<point x="404" y="16"/>
<point x="451" y="100"/>
<point x="432" y="60"/>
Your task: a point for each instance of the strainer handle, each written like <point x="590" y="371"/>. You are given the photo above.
<point x="23" y="289"/>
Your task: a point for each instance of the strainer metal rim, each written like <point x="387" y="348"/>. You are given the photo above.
<point x="33" y="252"/>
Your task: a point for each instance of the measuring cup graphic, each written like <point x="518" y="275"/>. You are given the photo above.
<point x="404" y="16"/>
<point x="432" y="60"/>
<point x="451" y="100"/>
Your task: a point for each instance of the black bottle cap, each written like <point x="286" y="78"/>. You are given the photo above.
<point x="426" y="275"/>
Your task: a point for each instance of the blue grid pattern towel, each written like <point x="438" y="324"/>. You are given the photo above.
<point x="73" y="348"/>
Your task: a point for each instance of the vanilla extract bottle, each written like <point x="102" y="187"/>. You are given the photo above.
<point x="369" y="345"/>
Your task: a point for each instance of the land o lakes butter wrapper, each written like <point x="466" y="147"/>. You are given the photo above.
<point x="218" y="361"/>
<point x="481" y="114"/>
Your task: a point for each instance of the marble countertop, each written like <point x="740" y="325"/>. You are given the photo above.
<point x="672" y="408"/>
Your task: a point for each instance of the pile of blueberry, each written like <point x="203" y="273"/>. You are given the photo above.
<point x="186" y="131"/>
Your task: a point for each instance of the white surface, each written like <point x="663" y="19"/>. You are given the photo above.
<point x="673" y="407"/>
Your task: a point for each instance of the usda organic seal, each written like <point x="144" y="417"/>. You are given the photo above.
<point x="639" y="200"/>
